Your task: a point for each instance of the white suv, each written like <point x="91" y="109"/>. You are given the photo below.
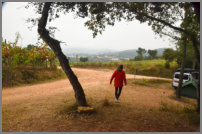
<point x="189" y="75"/>
<point x="176" y="79"/>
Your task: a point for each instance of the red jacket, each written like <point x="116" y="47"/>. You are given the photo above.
<point x="119" y="76"/>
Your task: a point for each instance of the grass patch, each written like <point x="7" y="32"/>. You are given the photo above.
<point x="188" y="112"/>
<point x="66" y="109"/>
<point x="194" y="118"/>
<point x="163" y="107"/>
<point x="147" y="67"/>
<point x="148" y="82"/>
<point x="182" y="99"/>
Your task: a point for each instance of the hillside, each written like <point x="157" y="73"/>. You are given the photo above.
<point x="131" y="53"/>
<point x="104" y="54"/>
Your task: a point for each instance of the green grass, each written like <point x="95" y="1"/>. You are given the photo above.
<point x="146" y="67"/>
<point x="148" y="82"/>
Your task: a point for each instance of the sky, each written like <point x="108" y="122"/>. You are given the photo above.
<point x="122" y="36"/>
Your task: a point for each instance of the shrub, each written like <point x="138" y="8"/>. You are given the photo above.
<point x="167" y="65"/>
<point x="27" y="74"/>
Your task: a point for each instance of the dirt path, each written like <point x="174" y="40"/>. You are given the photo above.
<point x="44" y="107"/>
<point x="93" y="77"/>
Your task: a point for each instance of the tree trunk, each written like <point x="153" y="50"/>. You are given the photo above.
<point x="198" y="95"/>
<point x="197" y="56"/>
<point x="55" y="46"/>
<point x="179" y="89"/>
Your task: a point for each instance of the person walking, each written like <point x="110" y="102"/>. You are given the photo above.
<point x="120" y="77"/>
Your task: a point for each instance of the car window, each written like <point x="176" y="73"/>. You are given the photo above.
<point x="185" y="77"/>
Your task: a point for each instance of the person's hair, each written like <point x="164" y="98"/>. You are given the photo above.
<point x="120" y="68"/>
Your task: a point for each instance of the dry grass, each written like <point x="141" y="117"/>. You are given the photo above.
<point x="50" y="107"/>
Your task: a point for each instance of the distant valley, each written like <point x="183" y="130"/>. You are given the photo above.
<point x="104" y="55"/>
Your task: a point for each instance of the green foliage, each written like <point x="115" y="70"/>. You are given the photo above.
<point x="152" y="53"/>
<point x="13" y="55"/>
<point x="169" y="54"/>
<point x="20" y="64"/>
<point x="83" y="59"/>
<point x="155" y="83"/>
<point x="28" y="75"/>
<point x="160" y="16"/>
<point x="167" y="65"/>
<point x="190" y="56"/>
<point x="140" y="52"/>
<point x="29" y="47"/>
<point x="146" y="67"/>
<point x="138" y="58"/>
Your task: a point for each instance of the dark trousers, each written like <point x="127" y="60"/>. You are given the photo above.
<point x="118" y="92"/>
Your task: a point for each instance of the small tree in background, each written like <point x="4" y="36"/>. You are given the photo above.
<point x="152" y="54"/>
<point x="140" y="52"/>
<point x="83" y="59"/>
<point x="169" y="55"/>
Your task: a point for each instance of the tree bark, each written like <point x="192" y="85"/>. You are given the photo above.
<point x="179" y="89"/>
<point x="197" y="56"/>
<point x="198" y="94"/>
<point x="55" y="46"/>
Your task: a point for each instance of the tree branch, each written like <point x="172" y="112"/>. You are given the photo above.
<point x="44" y="33"/>
<point x="191" y="36"/>
<point x="165" y="23"/>
<point x="44" y="17"/>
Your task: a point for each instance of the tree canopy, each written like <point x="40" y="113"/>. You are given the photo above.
<point x="159" y="15"/>
<point x="152" y="53"/>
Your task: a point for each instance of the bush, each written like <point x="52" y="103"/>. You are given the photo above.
<point x="167" y="65"/>
<point x="27" y="74"/>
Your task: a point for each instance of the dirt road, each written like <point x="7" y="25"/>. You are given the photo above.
<point x="86" y="77"/>
<point x="44" y="107"/>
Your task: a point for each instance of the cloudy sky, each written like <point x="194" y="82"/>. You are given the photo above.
<point x="122" y="36"/>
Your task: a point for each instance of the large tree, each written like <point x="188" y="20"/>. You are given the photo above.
<point x="55" y="46"/>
